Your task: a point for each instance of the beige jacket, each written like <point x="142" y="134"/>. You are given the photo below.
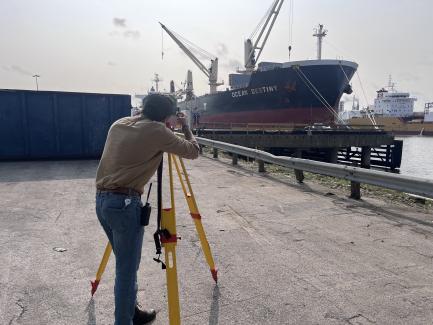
<point x="134" y="149"/>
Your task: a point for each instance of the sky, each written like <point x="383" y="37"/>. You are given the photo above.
<point x="114" y="46"/>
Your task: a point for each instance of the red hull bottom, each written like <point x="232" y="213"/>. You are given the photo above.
<point x="286" y="115"/>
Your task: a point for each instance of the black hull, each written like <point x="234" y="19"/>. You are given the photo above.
<point x="280" y="95"/>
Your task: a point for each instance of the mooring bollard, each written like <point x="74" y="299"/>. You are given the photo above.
<point x="200" y="150"/>
<point x="215" y="152"/>
<point x="234" y="159"/>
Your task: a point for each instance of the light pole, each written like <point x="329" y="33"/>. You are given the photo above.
<point x="36" y="76"/>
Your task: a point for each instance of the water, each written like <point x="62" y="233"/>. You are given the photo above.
<point x="417" y="157"/>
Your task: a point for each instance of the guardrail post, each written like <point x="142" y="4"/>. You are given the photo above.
<point x="215" y="152"/>
<point x="355" y="187"/>
<point x="333" y="155"/>
<point x="355" y="190"/>
<point x="234" y="159"/>
<point x="261" y="166"/>
<point x="299" y="174"/>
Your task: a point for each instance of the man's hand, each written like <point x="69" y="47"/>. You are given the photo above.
<point x="181" y="120"/>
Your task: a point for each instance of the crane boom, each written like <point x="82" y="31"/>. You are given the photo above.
<point x="250" y="50"/>
<point x="211" y="73"/>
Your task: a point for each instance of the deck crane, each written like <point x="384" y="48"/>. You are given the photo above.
<point x="211" y="72"/>
<point x="266" y="24"/>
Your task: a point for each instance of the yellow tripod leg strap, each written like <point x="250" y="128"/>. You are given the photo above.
<point x="195" y="214"/>
<point x="101" y="268"/>
<point x="168" y="222"/>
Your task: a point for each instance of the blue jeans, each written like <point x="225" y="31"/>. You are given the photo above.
<point x="119" y="215"/>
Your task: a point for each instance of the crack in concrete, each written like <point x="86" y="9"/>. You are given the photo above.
<point x="358" y="317"/>
<point x="23" y="308"/>
<point x="349" y="320"/>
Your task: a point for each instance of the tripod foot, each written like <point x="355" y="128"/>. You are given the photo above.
<point x="94" y="285"/>
<point x="214" y="274"/>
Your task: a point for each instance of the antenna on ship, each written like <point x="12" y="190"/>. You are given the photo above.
<point x="391" y="84"/>
<point x="320" y="33"/>
<point x="156" y="80"/>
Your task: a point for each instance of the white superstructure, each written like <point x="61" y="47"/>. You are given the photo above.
<point x="428" y="112"/>
<point x="390" y="102"/>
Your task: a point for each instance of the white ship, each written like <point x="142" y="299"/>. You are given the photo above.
<point x="392" y="103"/>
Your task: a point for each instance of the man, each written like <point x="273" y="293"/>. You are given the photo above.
<point x="132" y="153"/>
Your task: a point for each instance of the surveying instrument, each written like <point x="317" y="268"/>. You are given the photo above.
<point x="167" y="236"/>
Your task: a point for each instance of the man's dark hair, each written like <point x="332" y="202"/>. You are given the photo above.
<point x="157" y="107"/>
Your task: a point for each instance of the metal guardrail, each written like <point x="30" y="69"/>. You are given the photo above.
<point x="401" y="183"/>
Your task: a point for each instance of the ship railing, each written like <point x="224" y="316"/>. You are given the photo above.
<point x="356" y="175"/>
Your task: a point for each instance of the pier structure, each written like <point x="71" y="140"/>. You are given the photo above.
<point x="363" y="148"/>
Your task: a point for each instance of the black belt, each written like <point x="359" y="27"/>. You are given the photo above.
<point x="120" y="190"/>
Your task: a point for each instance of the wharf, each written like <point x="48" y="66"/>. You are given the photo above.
<point x="299" y="139"/>
<point x="366" y="147"/>
<point x="287" y="253"/>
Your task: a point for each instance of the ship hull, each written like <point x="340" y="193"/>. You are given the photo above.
<point x="304" y="93"/>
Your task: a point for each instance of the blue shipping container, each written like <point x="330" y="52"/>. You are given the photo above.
<point x="57" y="125"/>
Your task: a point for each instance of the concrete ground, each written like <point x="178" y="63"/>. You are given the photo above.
<point x="287" y="253"/>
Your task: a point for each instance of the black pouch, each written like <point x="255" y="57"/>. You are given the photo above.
<point x="146" y="210"/>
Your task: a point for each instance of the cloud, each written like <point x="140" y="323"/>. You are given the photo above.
<point x="119" y="22"/>
<point x="134" y="34"/>
<point x="408" y="77"/>
<point x="232" y="65"/>
<point x="221" y="50"/>
<point x="425" y="61"/>
<point x="111" y="63"/>
<point x="130" y="33"/>
<point x="18" y="69"/>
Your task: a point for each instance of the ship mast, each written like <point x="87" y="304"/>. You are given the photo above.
<point x="156" y="80"/>
<point x="251" y="57"/>
<point x="320" y="33"/>
<point x="211" y="72"/>
<point x="391" y="84"/>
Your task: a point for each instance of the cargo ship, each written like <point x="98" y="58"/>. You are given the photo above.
<point x="295" y="92"/>
<point x="392" y="111"/>
<point x="278" y="93"/>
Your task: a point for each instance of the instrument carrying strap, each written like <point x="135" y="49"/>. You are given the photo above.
<point x="159" y="232"/>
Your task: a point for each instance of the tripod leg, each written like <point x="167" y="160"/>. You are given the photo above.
<point x="195" y="214"/>
<point x="168" y="222"/>
<point x="169" y="244"/>
<point x="101" y="268"/>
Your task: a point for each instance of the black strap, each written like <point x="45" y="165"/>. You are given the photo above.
<point x="148" y="192"/>
<point x="156" y="235"/>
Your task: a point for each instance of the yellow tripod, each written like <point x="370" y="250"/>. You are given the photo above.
<point x="168" y="223"/>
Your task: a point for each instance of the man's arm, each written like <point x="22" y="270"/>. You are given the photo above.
<point x="184" y="148"/>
